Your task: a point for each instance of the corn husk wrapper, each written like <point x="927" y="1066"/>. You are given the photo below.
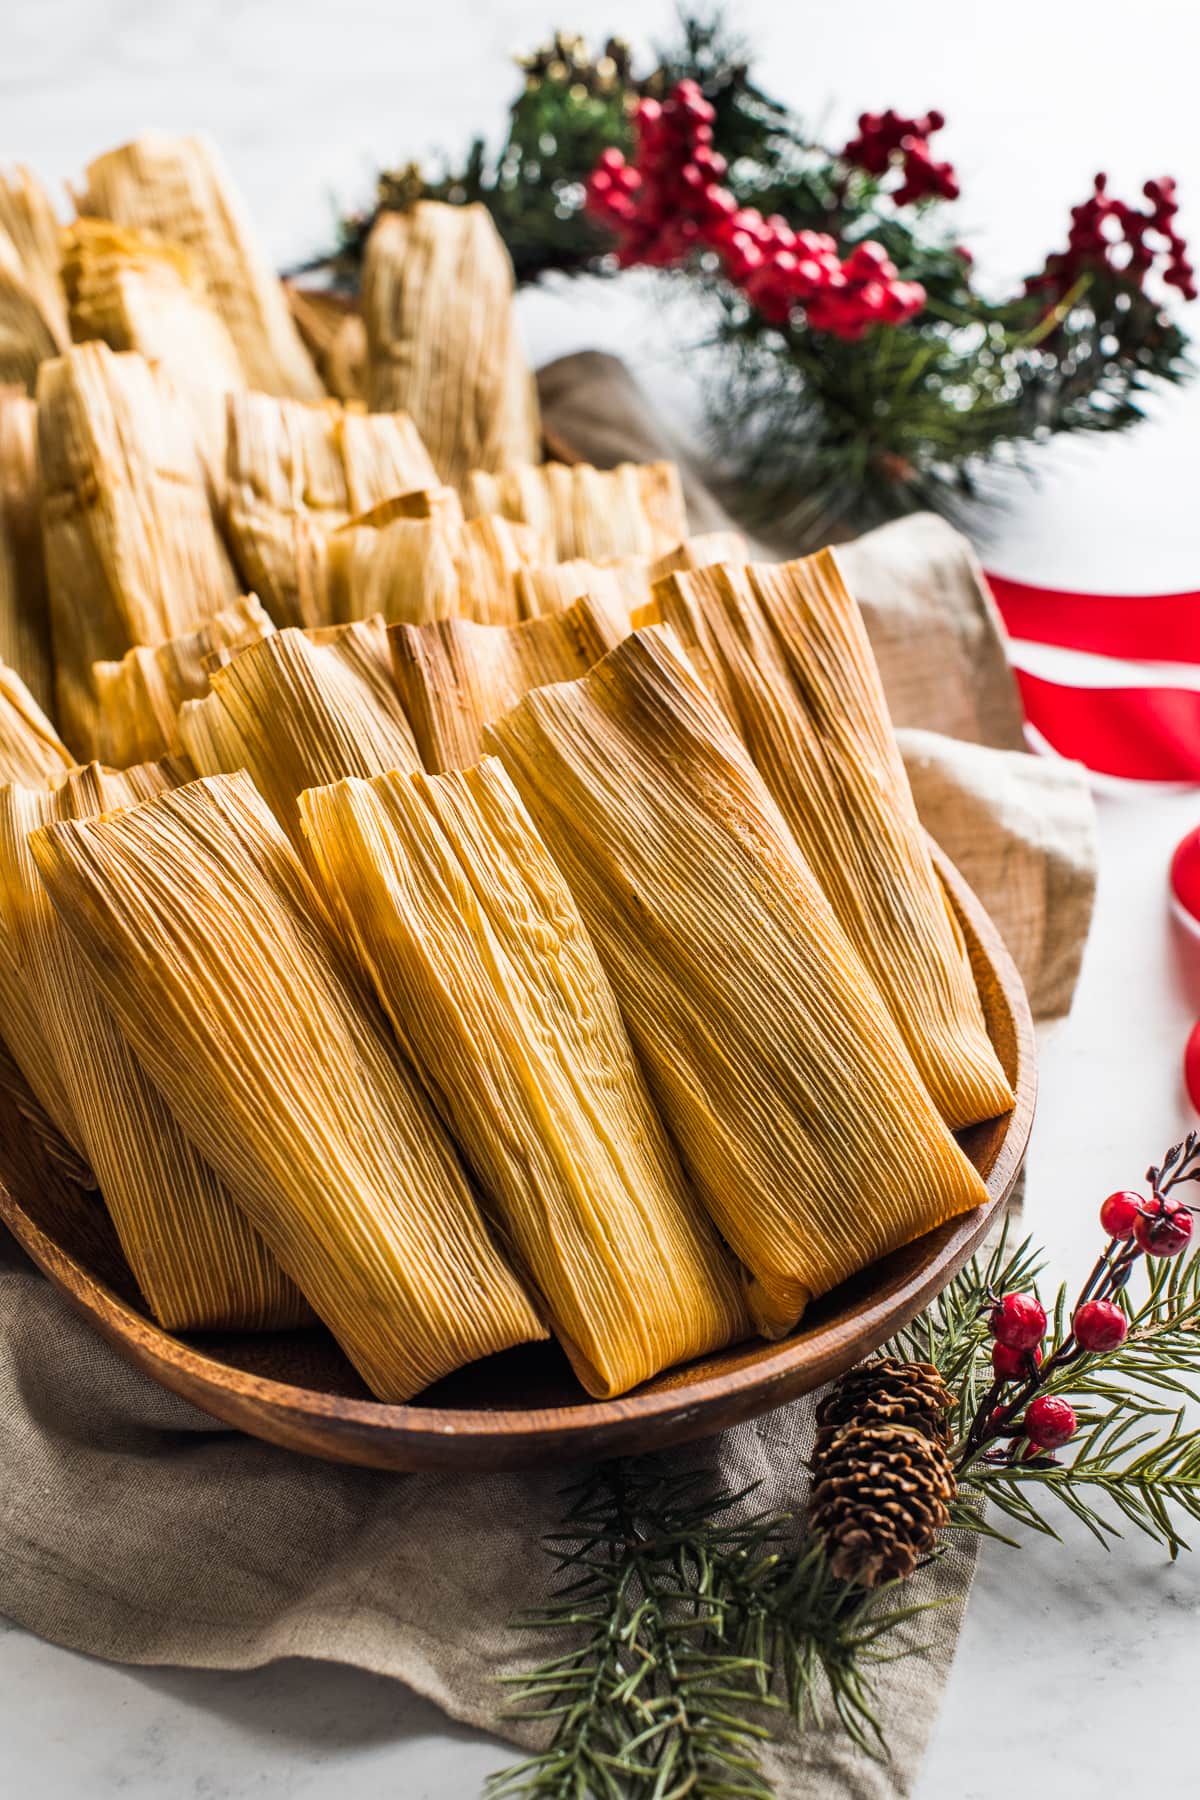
<point x="480" y="958"/>
<point x="335" y="336"/>
<point x="456" y="677"/>
<point x="31" y="751"/>
<point x="621" y="585"/>
<point x="635" y="509"/>
<point x="442" y="340"/>
<point x="699" y="552"/>
<point x="179" y="189"/>
<point x="196" y="1259"/>
<point x="785" y="650"/>
<point x="26" y="338"/>
<point x="414" y="559"/>
<point x="209" y="942"/>
<point x="24" y="607"/>
<point x="769" y="1051"/>
<point x="136" y="292"/>
<point x="298" y="713"/>
<point x="132" y="553"/>
<point x="138" y="699"/>
<point x="295" y="474"/>
<point x="33" y="314"/>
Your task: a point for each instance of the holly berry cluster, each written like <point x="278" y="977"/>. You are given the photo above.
<point x="1119" y="239"/>
<point x="1160" y="1226"/>
<point x="888" y="137"/>
<point x="671" y="202"/>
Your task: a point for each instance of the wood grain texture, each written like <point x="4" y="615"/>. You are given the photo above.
<point x="523" y="1408"/>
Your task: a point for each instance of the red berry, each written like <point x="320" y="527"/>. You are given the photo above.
<point x="1049" y="1422"/>
<point x="1099" y="1325"/>
<point x="1119" y="1213"/>
<point x="1162" y="1228"/>
<point x="1014" y="1365"/>
<point x="1018" y="1321"/>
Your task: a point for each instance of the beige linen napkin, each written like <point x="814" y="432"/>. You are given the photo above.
<point x="134" y="1527"/>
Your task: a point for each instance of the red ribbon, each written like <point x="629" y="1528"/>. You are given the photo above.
<point x="1139" y="628"/>
<point x="1142" y="733"/>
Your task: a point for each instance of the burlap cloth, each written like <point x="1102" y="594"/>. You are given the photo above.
<point x="134" y="1527"/>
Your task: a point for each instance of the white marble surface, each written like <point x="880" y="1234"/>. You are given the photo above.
<point x="1073" y="1662"/>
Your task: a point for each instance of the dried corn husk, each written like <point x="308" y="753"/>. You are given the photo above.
<point x="132" y="554"/>
<point x="26" y="336"/>
<point x="24" y="607"/>
<point x="196" y="1259"/>
<point x="456" y="677"/>
<point x="799" y="1114"/>
<point x="178" y="188"/>
<point x="621" y="584"/>
<point x="137" y="292"/>
<point x="635" y="509"/>
<point x="295" y="474"/>
<point x="31" y="751"/>
<point x="483" y="965"/>
<point x="28" y="219"/>
<point x="442" y="340"/>
<point x="298" y="713"/>
<point x="138" y="699"/>
<point x="414" y="559"/>
<point x="785" y="650"/>
<point x="208" y="941"/>
<point x="335" y="336"/>
<point x="700" y="552"/>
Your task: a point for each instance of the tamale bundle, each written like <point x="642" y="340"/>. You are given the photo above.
<point x="136" y="292"/>
<point x="196" y="1259"/>
<point x="414" y="559"/>
<point x="26" y="337"/>
<point x="132" y="554"/>
<point x="635" y="509"/>
<point x="205" y="937"/>
<point x="297" y="472"/>
<point x="455" y="677"/>
<point x="442" y="340"/>
<point x="300" y="714"/>
<point x="138" y="699"/>
<point x="784" y="648"/>
<point x="799" y="1114"/>
<point x="480" y="958"/>
<point x="29" y="221"/>
<point x="31" y="751"/>
<point x="24" y="608"/>
<point x="179" y="189"/>
<point x="622" y="584"/>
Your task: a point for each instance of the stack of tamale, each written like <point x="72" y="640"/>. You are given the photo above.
<point x="491" y="913"/>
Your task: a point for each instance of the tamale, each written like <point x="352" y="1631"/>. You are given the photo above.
<point x="178" y="188"/>
<point x="300" y="714"/>
<point x="482" y="963"/>
<point x="785" y="650"/>
<point x="28" y="219"/>
<point x="24" y="607"/>
<point x="194" y="1256"/>
<point x="334" y="335"/>
<point x="635" y="509"/>
<point x="700" y="552"/>
<point x="132" y="553"/>
<point x="442" y="340"/>
<point x="26" y="338"/>
<point x="622" y="584"/>
<point x="31" y="751"/>
<point x="138" y="699"/>
<point x="455" y="677"/>
<point x="296" y="473"/>
<point x="413" y="559"/>
<point x="208" y="941"/>
<point x="790" y="1094"/>
<point x="137" y="292"/>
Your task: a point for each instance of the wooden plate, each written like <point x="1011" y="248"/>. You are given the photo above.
<point x="524" y="1407"/>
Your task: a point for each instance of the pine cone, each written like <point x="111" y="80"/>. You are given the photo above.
<point x="880" y="1497"/>
<point x="888" y="1392"/>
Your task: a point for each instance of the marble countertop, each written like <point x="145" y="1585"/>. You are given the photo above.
<point x="1066" y="1647"/>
